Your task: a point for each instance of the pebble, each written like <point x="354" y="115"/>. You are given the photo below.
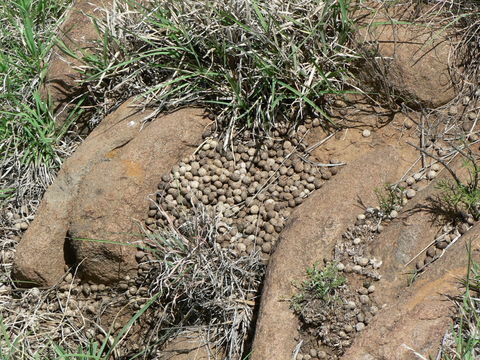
<point x="463" y="228"/>
<point x="436" y="167"/>
<point x="417" y="176"/>
<point x="357" y="241"/>
<point x="340" y="267"/>
<point x="431" y="252"/>
<point x="348" y="328"/>
<point x="362" y="261"/>
<point x="361" y="217"/>
<point x="350" y="305"/>
<point x="393" y="214"/>
<point x="408" y="123"/>
<point x="267" y="247"/>
<point x="139" y="255"/>
<point x="441" y="244"/>
<point x="410" y="180"/>
<point x="364" y="299"/>
<point x="363" y="291"/>
<point x="242" y="247"/>
<point x="371" y="289"/>
<point x="123" y="286"/>
<point x="410" y="193"/>
<point x="357" y="268"/>
<point x="431" y="175"/>
<point x="359" y="326"/>
<point x="86" y="289"/>
<point x="321" y="355"/>
<point x="366" y="133"/>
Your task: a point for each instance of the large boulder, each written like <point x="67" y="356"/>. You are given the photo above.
<point x="309" y="237"/>
<point x="101" y="194"/>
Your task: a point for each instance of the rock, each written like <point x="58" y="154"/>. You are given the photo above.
<point x="413" y="59"/>
<point x="366" y="133"/>
<point x="421" y="313"/>
<point x="410" y="193"/>
<point x="309" y="236"/>
<point x="98" y="194"/>
<point x="77" y="32"/>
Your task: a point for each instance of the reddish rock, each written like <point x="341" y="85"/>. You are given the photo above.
<point x="412" y="61"/>
<point x="309" y="237"/>
<point x="418" y="317"/>
<point x="101" y="193"/>
<point x="77" y="32"/>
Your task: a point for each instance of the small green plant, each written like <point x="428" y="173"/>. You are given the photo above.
<point x="321" y="284"/>
<point x="463" y="197"/>
<point x="31" y="145"/>
<point x="390" y="197"/>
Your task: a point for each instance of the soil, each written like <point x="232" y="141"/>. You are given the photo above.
<point x="306" y="196"/>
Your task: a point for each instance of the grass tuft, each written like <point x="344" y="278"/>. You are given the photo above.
<point x="253" y="63"/>
<point x="202" y="286"/>
<point x="463" y="342"/>
<point x="321" y="284"/>
<point x="32" y="147"/>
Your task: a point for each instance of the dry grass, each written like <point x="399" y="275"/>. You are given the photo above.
<point x="253" y="63"/>
<point x="203" y="287"/>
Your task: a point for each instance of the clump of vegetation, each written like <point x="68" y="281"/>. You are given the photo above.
<point x="202" y="286"/>
<point x="389" y="198"/>
<point x="321" y="284"/>
<point x="254" y="63"/>
<point x="463" y="197"/>
<point x="32" y="147"/>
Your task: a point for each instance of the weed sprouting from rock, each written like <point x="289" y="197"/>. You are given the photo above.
<point x="390" y="198"/>
<point x="321" y="284"/>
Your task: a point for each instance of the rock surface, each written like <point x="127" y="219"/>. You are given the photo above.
<point x="419" y="316"/>
<point x="412" y="59"/>
<point x="414" y="318"/>
<point x="100" y="192"/>
<point x="309" y="237"/>
<point x="77" y="32"/>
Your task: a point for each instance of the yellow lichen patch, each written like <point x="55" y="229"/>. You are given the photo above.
<point x="133" y="169"/>
<point x="112" y="154"/>
<point x="440" y="286"/>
